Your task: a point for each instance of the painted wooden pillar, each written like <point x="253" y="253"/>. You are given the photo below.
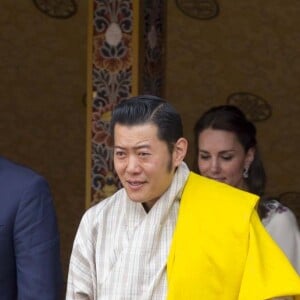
<point x="125" y="58"/>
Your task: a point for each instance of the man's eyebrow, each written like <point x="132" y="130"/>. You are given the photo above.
<point x="137" y="147"/>
<point x="142" y="146"/>
<point x="118" y="147"/>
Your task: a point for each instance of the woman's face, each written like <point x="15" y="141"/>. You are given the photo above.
<point x="222" y="157"/>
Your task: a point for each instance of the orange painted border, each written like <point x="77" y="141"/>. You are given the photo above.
<point x="89" y="102"/>
<point x="136" y="39"/>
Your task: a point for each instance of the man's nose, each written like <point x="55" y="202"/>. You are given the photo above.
<point x="133" y="164"/>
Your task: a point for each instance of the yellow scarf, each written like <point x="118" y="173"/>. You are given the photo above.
<point x="220" y="250"/>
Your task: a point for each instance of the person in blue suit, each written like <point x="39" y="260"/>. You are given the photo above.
<point x="30" y="266"/>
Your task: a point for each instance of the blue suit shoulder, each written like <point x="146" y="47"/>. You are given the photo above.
<point x="30" y="237"/>
<point x="17" y="173"/>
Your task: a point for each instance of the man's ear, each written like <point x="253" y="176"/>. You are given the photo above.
<point x="180" y="150"/>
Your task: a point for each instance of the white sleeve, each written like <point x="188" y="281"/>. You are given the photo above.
<point x="81" y="275"/>
<point x="284" y="229"/>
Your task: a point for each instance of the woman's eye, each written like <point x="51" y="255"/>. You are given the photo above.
<point x="204" y="157"/>
<point x="227" y="157"/>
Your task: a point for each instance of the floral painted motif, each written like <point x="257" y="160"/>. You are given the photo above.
<point x="57" y="9"/>
<point x="113" y="58"/>
<point x="112" y="77"/>
<point x="153" y="40"/>
<point x="272" y="207"/>
<point x="112" y="72"/>
<point x="112" y="35"/>
<point x="255" y="107"/>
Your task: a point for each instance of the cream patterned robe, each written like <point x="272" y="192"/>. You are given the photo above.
<point x="120" y="251"/>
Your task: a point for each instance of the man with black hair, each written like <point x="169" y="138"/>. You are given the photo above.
<point x="164" y="234"/>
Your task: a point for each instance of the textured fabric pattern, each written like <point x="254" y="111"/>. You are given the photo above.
<point x="120" y="251"/>
<point x="282" y="225"/>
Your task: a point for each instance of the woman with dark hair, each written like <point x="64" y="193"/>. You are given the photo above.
<point x="227" y="151"/>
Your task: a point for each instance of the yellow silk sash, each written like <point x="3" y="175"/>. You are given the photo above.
<point x="220" y="250"/>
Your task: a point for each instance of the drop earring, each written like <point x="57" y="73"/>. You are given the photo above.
<point x="246" y="172"/>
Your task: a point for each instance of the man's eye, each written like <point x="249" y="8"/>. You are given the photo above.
<point x="119" y="153"/>
<point x="144" y="154"/>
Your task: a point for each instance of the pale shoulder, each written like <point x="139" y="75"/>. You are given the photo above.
<point x="278" y="214"/>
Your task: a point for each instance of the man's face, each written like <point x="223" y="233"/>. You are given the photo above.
<point x="142" y="162"/>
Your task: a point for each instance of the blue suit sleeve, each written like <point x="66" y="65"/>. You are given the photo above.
<point x="37" y="246"/>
